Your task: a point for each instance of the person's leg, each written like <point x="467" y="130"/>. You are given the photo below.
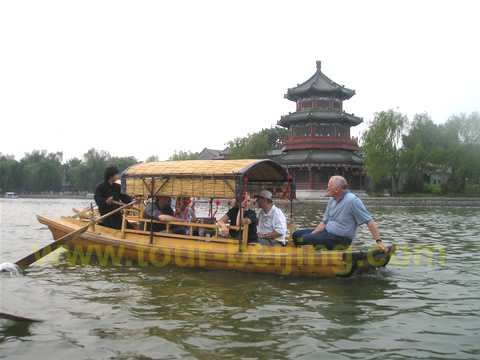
<point x="267" y="242"/>
<point x="325" y="240"/>
<point x="297" y="236"/>
<point x="180" y="230"/>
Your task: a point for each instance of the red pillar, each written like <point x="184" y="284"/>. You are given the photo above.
<point x="310" y="178"/>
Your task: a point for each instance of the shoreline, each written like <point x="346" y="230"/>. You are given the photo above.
<point x="368" y="201"/>
<point x="408" y="202"/>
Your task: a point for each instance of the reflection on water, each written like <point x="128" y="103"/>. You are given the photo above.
<point x="399" y="312"/>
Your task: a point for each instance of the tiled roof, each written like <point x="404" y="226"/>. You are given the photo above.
<point x="320" y="156"/>
<point x="319" y="116"/>
<point x="319" y="85"/>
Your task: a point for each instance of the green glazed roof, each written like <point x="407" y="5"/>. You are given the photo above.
<point x="319" y="85"/>
<point x="319" y="156"/>
<point x="318" y="115"/>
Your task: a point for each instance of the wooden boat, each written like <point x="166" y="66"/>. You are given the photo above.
<point x="226" y="179"/>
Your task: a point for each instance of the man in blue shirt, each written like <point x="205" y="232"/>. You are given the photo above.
<point x="345" y="212"/>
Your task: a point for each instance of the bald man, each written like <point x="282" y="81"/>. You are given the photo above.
<point x="345" y="212"/>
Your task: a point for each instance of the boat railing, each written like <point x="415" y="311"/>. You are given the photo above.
<point x="211" y="231"/>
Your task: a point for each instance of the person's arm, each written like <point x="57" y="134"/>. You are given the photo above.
<point x="100" y="196"/>
<point x="124" y="197"/>
<point x="164" y="217"/>
<point x="376" y="235"/>
<point x="223" y="225"/>
<point x="320" y="227"/>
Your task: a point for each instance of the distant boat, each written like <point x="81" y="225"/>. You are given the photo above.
<point x="11" y="195"/>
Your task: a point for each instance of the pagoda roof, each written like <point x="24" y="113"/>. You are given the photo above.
<point x="318" y="115"/>
<point x="320" y="156"/>
<point x="319" y="85"/>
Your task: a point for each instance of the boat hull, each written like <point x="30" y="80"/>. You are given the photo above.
<point x="109" y="248"/>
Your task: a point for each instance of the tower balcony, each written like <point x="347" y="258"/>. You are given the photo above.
<point x="320" y="142"/>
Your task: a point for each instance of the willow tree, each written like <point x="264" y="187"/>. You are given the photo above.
<point x="382" y="147"/>
<point x="253" y="146"/>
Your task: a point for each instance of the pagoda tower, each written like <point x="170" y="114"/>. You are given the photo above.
<point x="318" y="144"/>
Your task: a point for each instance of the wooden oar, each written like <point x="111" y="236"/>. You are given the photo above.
<point x="119" y="203"/>
<point x="17" y="318"/>
<point x="30" y="259"/>
<point x="84" y="211"/>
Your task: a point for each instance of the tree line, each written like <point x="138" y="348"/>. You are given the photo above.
<point x="40" y="171"/>
<point x="392" y="147"/>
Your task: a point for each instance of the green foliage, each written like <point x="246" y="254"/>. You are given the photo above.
<point x="418" y="147"/>
<point x="275" y="136"/>
<point x="435" y="189"/>
<point x="451" y="149"/>
<point x="42" y="171"/>
<point x="382" y="147"/>
<point x="253" y="146"/>
<point x="152" y="158"/>
<point x="123" y="163"/>
<point x="473" y="190"/>
<point x="183" y="155"/>
<point x="89" y="173"/>
<point x="11" y="174"/>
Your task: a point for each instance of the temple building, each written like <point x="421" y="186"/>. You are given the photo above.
<point x="319" y="144"/>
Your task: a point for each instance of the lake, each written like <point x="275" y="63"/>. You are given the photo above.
<point x="424" y="304"/>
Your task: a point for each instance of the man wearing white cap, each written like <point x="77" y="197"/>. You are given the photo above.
<point x="272" y="225"/>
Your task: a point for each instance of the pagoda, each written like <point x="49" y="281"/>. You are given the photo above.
<point x="318" y="144"/>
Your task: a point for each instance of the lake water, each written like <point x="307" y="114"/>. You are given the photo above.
<point x="423" y="305"/>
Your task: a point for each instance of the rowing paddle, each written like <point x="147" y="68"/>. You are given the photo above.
<point x="30" y="259"/>
<point x="17" y="318"/>
<point x="84" y="211"/>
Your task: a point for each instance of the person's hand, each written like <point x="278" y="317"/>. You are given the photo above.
<point x="383" y="246"/>
<point x="109" y="200"/>
<point x="225" y="231"/>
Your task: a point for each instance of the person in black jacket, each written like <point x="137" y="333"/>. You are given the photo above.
<point x="106" y="193"/>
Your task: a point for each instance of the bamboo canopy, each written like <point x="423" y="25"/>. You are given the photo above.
<point x="207" y="178"/>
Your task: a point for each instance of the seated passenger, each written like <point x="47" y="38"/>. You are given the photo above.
<point x="233" y="216"/>
<point x="162" y="211"/>
<point x="184" y="208"/>
<point x="272" y="225"/>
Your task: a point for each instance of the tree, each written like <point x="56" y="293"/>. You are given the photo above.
<point x="89" y="173"/>
<point x="251" y="147"/>
<point x="11" y="176"/>
<point x="43" y="171"/>
<point x="459" y="151"/>
<point x="418" y="147"/>
<point x="382" y="147"/>
<point x="183" y="155"/>
<point x="152" y="158"/>
<point x="123" y="163"/>
<point x="275" y="136"/>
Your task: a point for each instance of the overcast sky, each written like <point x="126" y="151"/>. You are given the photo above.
<point x="142" y="78"/>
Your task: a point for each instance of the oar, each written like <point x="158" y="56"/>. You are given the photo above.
<point x="84" y="211"/>
<point x="119" y="203"/>
<point x="30" y="259"/>
<point x="17" y="318"/>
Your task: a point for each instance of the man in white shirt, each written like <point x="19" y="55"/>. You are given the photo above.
<point x="272" y="225"/>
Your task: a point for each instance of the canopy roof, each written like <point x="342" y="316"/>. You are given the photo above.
<point x="206" y="178"/>
<point x="319" y="116"/>
<point x="321" y="156"/>
<point x="319" y="85"/>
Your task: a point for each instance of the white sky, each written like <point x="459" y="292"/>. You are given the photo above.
<point x="141" y="78"/>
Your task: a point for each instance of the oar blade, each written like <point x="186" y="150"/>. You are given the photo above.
<point x="17" y="318"/>
<point x="30" y="259"/>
